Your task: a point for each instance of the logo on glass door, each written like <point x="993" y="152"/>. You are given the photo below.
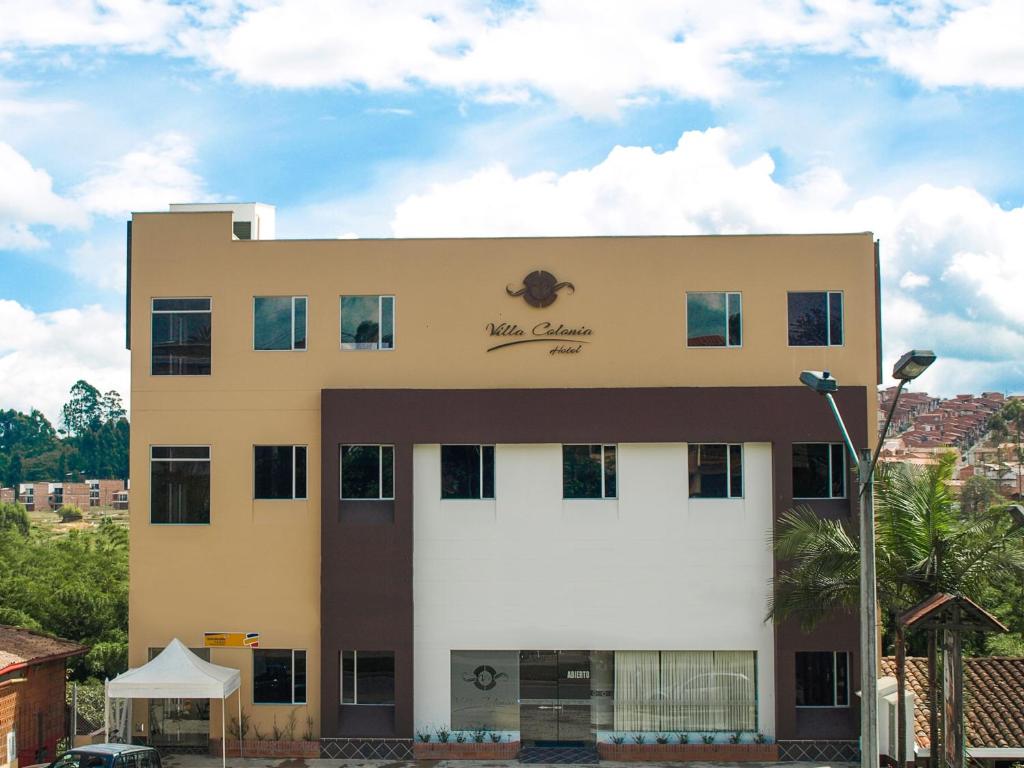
<point x="484" y="677"/>
<point x="540" y="289"/>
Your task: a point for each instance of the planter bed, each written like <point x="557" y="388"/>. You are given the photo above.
<point x="267" y="748"/>
<point x="723" y="753"/>
<point x="488" y="750"/>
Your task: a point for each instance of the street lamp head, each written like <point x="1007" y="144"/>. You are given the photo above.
<point x="913" y="364"/>
<point x="820" y="381"/>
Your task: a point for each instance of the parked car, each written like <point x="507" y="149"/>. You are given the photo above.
<point x="108" y="756"/>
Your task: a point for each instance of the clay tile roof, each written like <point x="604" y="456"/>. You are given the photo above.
<point x="994" y="706"/>
<point x="21" y="646"/>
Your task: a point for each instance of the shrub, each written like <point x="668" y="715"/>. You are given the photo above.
<point x="69" y="513"/>
<point x="239" y="730"/>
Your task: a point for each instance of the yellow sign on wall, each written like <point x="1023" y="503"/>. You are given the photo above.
<point x="231" y="639"/>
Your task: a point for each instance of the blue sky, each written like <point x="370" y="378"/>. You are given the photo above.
<point x="422" y="117"/>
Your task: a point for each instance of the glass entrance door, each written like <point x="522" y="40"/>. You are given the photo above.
<point x="554" y="703"/>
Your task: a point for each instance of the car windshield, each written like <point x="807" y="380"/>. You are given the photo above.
<point x="74" y="760"/>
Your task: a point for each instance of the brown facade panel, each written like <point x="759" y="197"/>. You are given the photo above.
<point x="366" y="570"/>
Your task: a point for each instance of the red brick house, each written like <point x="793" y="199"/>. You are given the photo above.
<point x="33" y="714"/>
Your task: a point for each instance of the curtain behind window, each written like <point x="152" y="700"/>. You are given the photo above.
<point x="674" y="691"/>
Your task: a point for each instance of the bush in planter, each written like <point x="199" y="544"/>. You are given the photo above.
<point x="684" y="738"/>
<point x="239" y="730"/>
<point x="479" y="735"/>
<point x="707" y="738"/>
<point x="308" y="734"/>
<point x="734" y="738"/>
<point x="661" y="738"/>
<point x="639" y="738"/>
<point x="618" y="739"/>
<point x="460" y="738"/>
<point x="443" y="734"/>
<point x="424" y="736"/>
<point x="760" y="739"/>
<point x="495" y="737"/>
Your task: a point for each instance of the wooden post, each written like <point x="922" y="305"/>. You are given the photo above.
<point x="953" y="698"/>
<point x="933" y="698"/>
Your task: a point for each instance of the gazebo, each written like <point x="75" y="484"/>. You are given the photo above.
<point x="176" y="673"/>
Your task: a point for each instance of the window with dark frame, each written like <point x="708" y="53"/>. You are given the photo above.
<point x="714" y="319"/>
<point x="279" y="323"/>
<point x="279" y="471"/>
<point x="181" y="338"/>
<point x="368" y="322"/>
<point x="368" y="472"/>
<point x="278" y="676"/>
<point x="180" y="485"/>
<point x="467" y="471"/>
<point x="822" y="679"/>
<point x="368" y="678"/>
<point x="819" y="471"/>
<point x="588" y="472"/>
<point x="815" y="318"/>
<point x="716" y="470"/>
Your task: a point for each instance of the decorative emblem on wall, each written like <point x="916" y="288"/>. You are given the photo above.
<point x="540" y="289"/>
<point x="484" y="677"/>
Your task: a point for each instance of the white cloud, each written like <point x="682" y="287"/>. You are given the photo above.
<point x="911" y="280"/>
<point x="140" y="25"/>
<point x="145" y="179"/>
<point x="43" y="354"/>
<point x="595" y="57"/>
<point x="975" y="44"/>
<point x="27" y="198"/>
<point x="99" y="263"/>
<point x="951" y="265"/>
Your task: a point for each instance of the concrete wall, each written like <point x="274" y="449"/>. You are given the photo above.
<point x="650" y="570"/>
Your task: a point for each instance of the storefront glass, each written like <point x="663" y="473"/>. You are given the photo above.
<point x="485" y="690"/>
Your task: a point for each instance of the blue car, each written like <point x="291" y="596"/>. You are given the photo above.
<point x="108" y="756"/>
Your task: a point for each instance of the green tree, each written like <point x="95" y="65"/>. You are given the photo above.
<point x="84" y="411"/>
<point x="13" y="516"/>
<point x="978" y="494"/>
<point x="923" y="546"/>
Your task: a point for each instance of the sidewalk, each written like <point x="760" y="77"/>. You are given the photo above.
<point x="206" y="761"/>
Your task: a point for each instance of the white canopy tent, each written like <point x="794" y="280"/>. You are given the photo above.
<point x="176" y="673"/>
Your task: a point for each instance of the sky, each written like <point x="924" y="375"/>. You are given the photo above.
<point x="406" y="118"/>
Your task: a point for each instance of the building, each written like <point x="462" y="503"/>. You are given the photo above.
<point x="45" y="497"/>
<point x="993" y="707"/>
<point x="33" y="713"/>
<point x="425" y="483"/>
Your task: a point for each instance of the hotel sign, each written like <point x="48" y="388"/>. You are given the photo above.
<point x="540" y="289"/>
<point x="231" y="639"/>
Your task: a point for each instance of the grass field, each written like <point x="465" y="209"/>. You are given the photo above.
<point x="91" y="517"/>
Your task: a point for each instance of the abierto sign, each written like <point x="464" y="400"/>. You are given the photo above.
<point x="231" y="639"/>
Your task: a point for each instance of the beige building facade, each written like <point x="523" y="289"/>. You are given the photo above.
<point x="529" y="345"/>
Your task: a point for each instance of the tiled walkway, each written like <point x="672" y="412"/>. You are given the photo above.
<point x="205" y="761"/>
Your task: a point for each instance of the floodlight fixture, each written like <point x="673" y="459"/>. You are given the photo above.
<point x="820" y="381"/>
<point x="913" y="364"/>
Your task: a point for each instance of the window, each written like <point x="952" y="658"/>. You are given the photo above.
<point x="278" y="676"/>
<point x="816" y="319"/>
<point x="279" y="322"/>
<point x="716" y="471"/>
<point x="181" y="337"/>
<point x="588" y="471"/>
<point x="819" y="471"/>
<point x="367" y="322"/>
<point x="467" y="471"/>
<point x="822" y="679"/>
<point x="180" y="485"/>
<point x="677" y="691"/>
<point x="280" y="472"/>
<point x="713" y="319"/>
<point x="485" y="690"/>
<point x="368" y="677"/>
<point x="367" y="472"/>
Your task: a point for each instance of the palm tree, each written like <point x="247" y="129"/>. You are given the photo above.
<point x="922" y="546"/>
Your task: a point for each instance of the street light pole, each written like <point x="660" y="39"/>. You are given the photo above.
<point x="908" y="367"/>
<point x="868" y="598"/>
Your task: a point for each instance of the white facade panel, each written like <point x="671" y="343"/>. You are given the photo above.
<point x="650" y="570"/>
